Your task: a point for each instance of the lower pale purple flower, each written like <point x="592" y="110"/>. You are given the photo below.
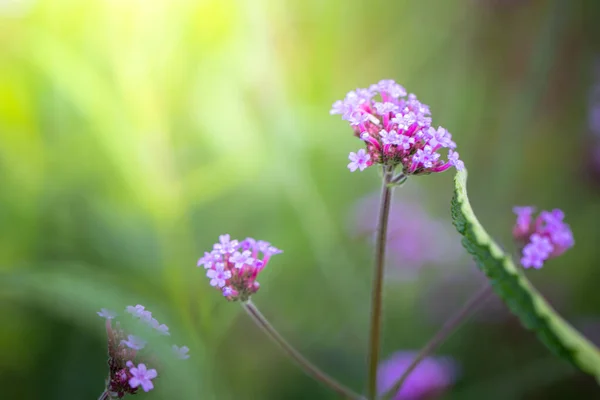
<point x="430" y="378"/>
<point x="141" y="376"/>
<point x="359" y="160"/>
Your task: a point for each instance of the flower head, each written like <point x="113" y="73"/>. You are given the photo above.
<point x="431" y="377"/>
<point x="396" y="130"/>
<point x="233" y="269"/>
<point x="141" y="376"/>
<point x="542" y="238"/>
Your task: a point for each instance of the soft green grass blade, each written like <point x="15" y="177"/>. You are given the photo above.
<point x="516" y="290"/>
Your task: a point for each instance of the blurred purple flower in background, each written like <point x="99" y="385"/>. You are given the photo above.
<point x="415" y="238"/>
<point x="429" y="379"/>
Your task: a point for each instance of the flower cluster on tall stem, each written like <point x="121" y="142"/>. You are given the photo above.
<point x="233" y="266"/>
<point x="396" y="130"/>
<point x="129" y="359"/>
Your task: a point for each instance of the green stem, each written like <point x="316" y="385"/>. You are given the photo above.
<point x="377" y="284"/>
<point x="306" y="365"/>
<point x="104" y="396"/>
<point x="446" y="330"/>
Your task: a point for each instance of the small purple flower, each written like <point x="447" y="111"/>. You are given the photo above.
<point x="225" y="245"/>
<point x="218" y="275"/>
<point x="389" y="137"/>
<point x="536" y="252"/>
<point x="426" y="156"/>
<point x="248" y="244"/>
<point x="358" y="117"/>
<point x="107" y="314"/>
<point x="359" y="160"/>
<point x="209" y="259"/>
<point x="431" y="377"/>
<point x="181" y="352"/>
<point x="160" y="328"/>
<point x="385" y="108"/>
<point x="141" y="376"/>
<point x="241" y="259"/>
<point x="440" y="138"/>
<point x="134" y="342"/>
<point x="228" y="291"/>
<point x="455" y="161"/>
<point x="136" y="311"/>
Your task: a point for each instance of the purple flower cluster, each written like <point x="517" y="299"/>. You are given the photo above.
<point x="542" y="238"/>
<point x="429" y="379"/>
<point x="396" y="130"/>
<point x="232" y="266"/>
<point x="127" y="362"/>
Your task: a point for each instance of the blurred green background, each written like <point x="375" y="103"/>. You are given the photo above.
<point x="134" y="132"/>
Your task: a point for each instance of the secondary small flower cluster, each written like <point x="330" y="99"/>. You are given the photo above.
<point x="542" y="238"/>
<point x="429" y="379"/>
<point x="396" y="131"/>
<point x="232" y="266"/>
<point x="127" y="363"/>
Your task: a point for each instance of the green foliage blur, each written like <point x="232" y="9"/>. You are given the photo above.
<point x="134" y="132"/>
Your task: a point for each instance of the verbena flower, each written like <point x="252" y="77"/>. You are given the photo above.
<point x="141" y="376"/>
<point x="429" y="379"/>
<point x="542" y="238"/>
<point x="396" y="130"/>
<point x="126" y="350"/>
<point x="233" y="266"/>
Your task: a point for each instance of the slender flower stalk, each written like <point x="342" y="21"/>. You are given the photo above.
<point x="104" y="396"/>
<point x="449" y="327"/>
<point x="377" y="285"/>
<point x="305" y="364"/>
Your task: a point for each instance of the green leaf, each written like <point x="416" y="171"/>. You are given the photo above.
<point x="517" y="292"/>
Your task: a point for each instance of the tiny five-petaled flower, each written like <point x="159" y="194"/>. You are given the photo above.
<point x="141" y="376"/>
